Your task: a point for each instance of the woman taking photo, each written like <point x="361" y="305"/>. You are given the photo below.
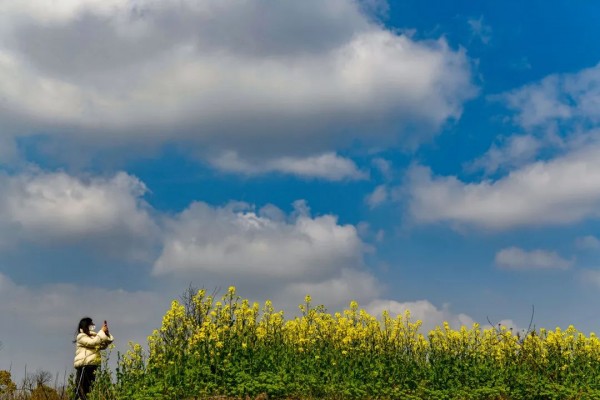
<point x="87" y="354"/>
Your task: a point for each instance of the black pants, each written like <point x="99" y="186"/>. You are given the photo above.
<point x="84" y="380"/>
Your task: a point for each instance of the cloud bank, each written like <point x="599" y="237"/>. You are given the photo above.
<point x="54" y="208"/>
<point x="288" y="79"/>
<point x="236" y="241"/>
<point x="562" y="190"/>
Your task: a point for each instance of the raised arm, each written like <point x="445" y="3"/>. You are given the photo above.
<point x="94" y="341"/>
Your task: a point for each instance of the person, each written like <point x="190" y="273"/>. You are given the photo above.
<point x="88" y="344"/>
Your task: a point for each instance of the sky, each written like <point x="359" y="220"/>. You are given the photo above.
<point x="442" y="157"/>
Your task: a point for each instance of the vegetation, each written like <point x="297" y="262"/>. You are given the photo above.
<point x="33" y="387"/>
<point x="231" y="348"/>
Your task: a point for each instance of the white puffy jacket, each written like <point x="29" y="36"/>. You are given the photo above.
<point x="87" y="351"/>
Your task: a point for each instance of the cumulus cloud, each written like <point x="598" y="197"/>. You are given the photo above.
<point x="378" y="196"/>
<point x="285" y="79"/>
<point x="518" y="259"/>
<point x="328" y="166"/>
<point x="557" y="98"/>
<point x="338" y="291"/>
<point x="562" y="190"/>
<point x="57" y="208"/>
<point x="383" y="166"/>
<point x="558" y="114"/>
<point x="423" y="310"/>
<point x="236" y="240"/>
<point x="514" y="151"/>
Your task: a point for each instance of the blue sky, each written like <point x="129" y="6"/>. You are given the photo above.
<point x="437" y="156"/>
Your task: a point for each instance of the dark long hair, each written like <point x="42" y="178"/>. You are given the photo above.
<point x="84" y="326"/>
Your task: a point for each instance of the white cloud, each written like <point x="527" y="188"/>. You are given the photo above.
<point x="269" y="254"/>
<point x="285" y="79"/>
<point x="518" y="259"/>
<point x="327" y="166"/>
<point x="520" y="149"/>
<point x="379" y="196"/>
<point x="558" y="113"/>
<point x="511" y="152"/>
<point x="335" y="292"/>
<point x="563" y="190"/>
<point x="480" y="30"/>
<point x="423" y="310"/>
<point x="557" y="98"/>
<point x="383" y="166"/>
<point x="45" y="207"/>
<point x="236" y="241"/>
<point x="588" y="242"/>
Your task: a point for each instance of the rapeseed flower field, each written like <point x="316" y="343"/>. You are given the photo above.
<point x="233" y="348"/>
